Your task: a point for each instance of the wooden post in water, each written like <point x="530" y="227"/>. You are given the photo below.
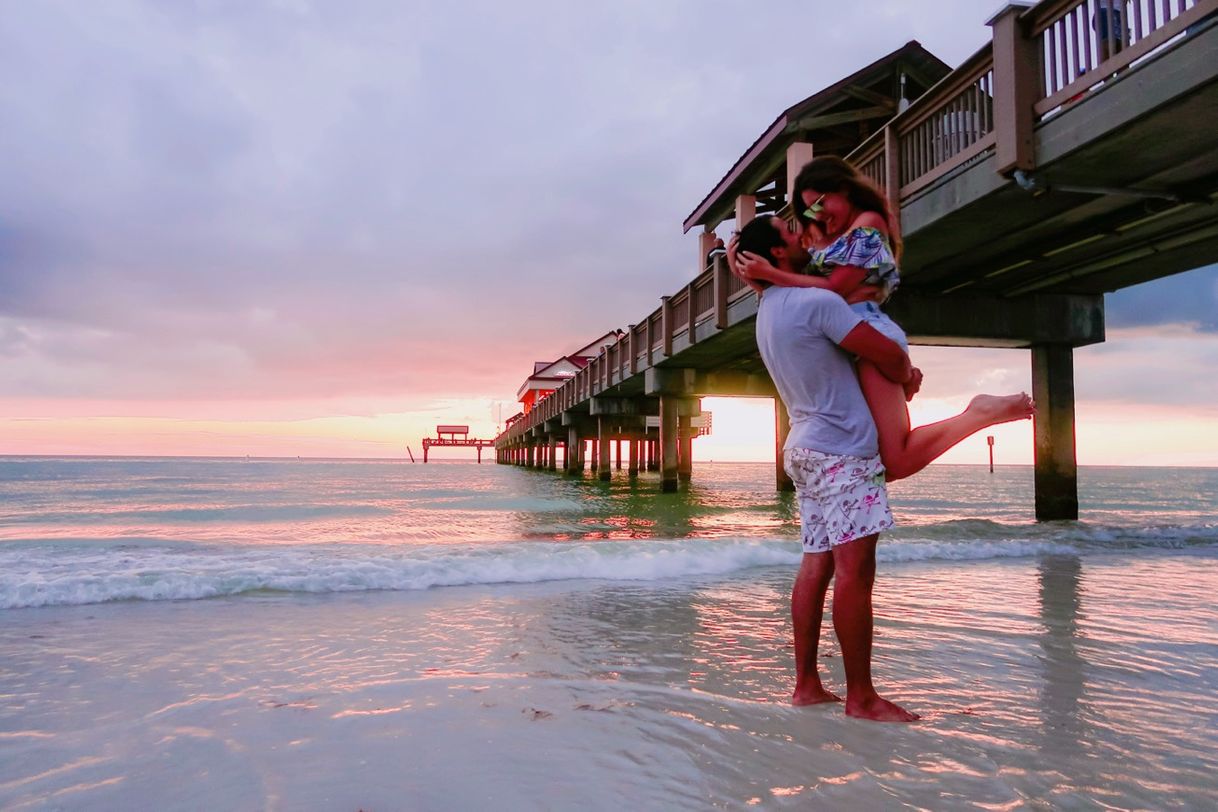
<point x="782" y="429"/>
<point x="990" y="442"/>
<point x="685" y="449"/>
<point x="552" y="460"/>
<point x="669" y="424"/>
<point x="618" y="453"/>
<point x="602" y="453"/>
<point x="573" y="461"/>
<point x="1053" y="432"/>
<point x="632" y="466"/>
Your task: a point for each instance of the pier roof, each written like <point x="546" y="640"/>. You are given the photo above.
<point x="837" y="118"/>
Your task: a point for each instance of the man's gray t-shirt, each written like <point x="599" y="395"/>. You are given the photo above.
<point x="798" y="330"/>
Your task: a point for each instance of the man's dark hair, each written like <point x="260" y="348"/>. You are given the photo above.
<point x="760" y="237"/>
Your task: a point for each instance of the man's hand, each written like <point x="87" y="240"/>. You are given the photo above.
<point x="914" y="385"/>
<point x="869" y="344"/>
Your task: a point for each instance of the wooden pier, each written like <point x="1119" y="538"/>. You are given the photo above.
<point x="1051" y="167"/>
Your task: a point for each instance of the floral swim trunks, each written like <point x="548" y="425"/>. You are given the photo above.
<point x="840" y="498"/>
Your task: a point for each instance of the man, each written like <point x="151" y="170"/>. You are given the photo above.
<point x="807" y="337"/>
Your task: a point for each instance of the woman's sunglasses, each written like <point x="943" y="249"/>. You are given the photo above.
<point x="813" y="211"/>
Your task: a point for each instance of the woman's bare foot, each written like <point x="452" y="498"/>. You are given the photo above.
<point x="995" y="409"/>
<point x="816" y="696"/>
<point x="878" y="709"/>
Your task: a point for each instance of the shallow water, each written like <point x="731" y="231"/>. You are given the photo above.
<point x="599" y="645"/>
<point x="1059" y="682"/>
<point x="76" y="531"/>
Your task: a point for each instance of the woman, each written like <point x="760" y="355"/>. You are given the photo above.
<point x="854" y="245"/>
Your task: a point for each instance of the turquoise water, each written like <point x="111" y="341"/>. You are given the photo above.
<point x="87" y="530"/>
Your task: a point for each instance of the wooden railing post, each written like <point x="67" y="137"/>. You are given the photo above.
<point x="706" y="243"/>
<point x="892" y="169"/>
<point x="1015" y="89"/>
<point x="651" y="341"/>
<point x="666" y="324"/>
<point x="634" y="351"/>
<point x="720" y="289"/>
<point x="692" y="318"/>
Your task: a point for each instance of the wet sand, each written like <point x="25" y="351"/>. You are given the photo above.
<point x="1043" y="682"/>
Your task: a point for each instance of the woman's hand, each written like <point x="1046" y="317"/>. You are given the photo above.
<point x="736" y="260"/>
<point x="755" y="269"/>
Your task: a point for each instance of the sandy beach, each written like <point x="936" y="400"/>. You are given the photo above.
<point x="1052" y="682"/>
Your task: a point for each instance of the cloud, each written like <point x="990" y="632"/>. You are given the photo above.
<point x="1189" y="298"/>
<point x="351" y="204"/>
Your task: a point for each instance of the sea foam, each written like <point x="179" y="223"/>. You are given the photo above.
<point x="50" y="573"/>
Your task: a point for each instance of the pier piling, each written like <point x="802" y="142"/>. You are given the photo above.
<point x="669" y="425"/>
<point x="602" y="452"/>
<point x="1056" y="477"/>
<point x="685" y="449"/>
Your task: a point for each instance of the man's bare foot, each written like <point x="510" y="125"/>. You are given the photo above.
<point x="996" y="409"/>
<point x="878" y="709"/>
<point x="817" y="696"/>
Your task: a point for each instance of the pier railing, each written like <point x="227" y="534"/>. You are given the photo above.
<point x="1039" y="60"/>
<point x="705" y="299"/>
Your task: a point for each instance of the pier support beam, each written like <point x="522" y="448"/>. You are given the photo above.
<point x="669" y="425"/>
<point x="552" y="459"/>
<point x="602" y="452"/>
<point x="1053" y="429"/>
<point x="782" y="429"/>
<point x="632" y="466"/>
<point x="676" y="389"/>
<point x="574" y="447"/>
<point x="685" y="450"/>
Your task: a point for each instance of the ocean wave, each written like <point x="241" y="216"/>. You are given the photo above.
<point x="37" y="573"/>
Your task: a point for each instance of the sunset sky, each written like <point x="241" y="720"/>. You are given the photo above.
<point x="319" y="229"/>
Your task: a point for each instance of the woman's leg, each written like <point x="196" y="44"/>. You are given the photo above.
<point x="905" y="451"/>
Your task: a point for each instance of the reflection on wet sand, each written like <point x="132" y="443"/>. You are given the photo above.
<point x="1062" y="721"/>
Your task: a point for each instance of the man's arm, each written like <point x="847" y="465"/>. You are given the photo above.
<point x="871" y="345"/>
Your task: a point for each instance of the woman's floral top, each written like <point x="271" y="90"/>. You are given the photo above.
<point x="862" y="247"/>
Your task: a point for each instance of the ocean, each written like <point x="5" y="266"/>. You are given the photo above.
<point x="183" y="633"/>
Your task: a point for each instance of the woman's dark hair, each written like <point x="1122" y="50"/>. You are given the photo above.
<point x="833" y="174"/>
